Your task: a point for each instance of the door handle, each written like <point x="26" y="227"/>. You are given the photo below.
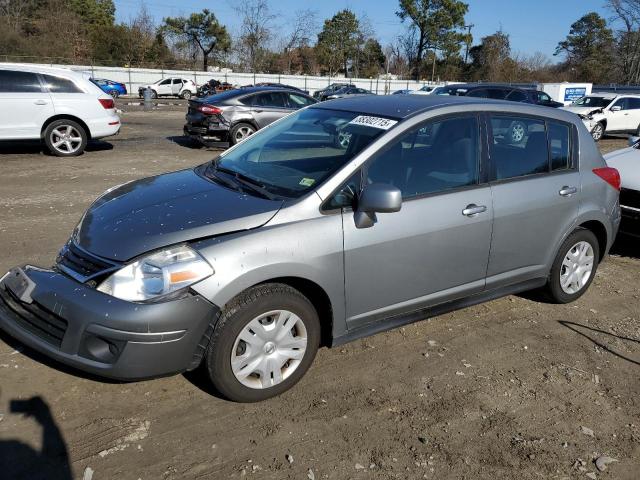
<point x="472" y="210"/>
<point x="567" y="191"/>
<point x="258" y="110"/>
<point x="40" y="102"/>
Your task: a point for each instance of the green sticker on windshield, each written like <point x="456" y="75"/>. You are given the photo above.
<point x="307" y="182"/>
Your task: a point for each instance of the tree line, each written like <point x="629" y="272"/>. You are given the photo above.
<point x="436" y="42"/>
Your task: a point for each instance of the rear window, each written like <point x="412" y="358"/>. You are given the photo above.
<point x="60" y="85"/>
<point x="19" y="82"/>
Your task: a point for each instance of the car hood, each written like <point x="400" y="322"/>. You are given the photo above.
<point x="582" y="110"/>
<point x="627" y="162"/>
<point x="176" y="207"/>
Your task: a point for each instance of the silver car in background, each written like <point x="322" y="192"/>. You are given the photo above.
<point x="341" y="220"/>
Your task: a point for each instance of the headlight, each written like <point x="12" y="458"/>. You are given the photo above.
<point x="158" y="274"/>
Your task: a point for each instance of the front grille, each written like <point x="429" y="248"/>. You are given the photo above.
<point x="630" y="198"/>
<point x="81" y="262"/>
<point x="35" y="319"/>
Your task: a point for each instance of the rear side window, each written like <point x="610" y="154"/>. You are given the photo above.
<point x="479" y="93"/>
<point x="518" y="147"/>
<point x="559" y="145"/>
<point x="19" y="82"/>
<point x="60" y="85"/>
<point x="497" y="93"/>
<point x="177" y="81"/>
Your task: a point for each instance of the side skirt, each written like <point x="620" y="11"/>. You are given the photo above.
<point x="426" y="313"/>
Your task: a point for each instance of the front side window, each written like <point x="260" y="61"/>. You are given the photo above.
<point x="299" y="101"/>
<point x="633" y="103"/>
<point x="517" y="96"/>
<point x="19" y="82"/>
<point x="544" y="98"/>
<point x="479" y="93"/>
<point x="438" y="156"/>
<point x="595" y="102"/>
<point x="300" y="151"/>
<point x="518" y="147"/>
<point x="270" y="99"/>
<point x="165" y="82"/>
<point x="60" y="85"/>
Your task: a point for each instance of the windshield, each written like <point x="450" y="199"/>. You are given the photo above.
<point x="596" y="102"/>
<point x="301" y="151"/>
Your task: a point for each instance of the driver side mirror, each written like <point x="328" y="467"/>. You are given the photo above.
<point x="376" y="198"/>
<point x="616" y="108"/>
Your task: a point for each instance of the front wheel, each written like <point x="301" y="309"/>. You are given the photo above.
<point x="598" y="131"/>
<point x="65" y="138"/>
<point x="574" y="267"/>
<point x="263" y="343"/>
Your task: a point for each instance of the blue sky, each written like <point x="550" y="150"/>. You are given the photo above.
<point x="533" y="25"/>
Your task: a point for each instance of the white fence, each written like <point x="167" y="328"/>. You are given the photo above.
<point x="136" y="77"/>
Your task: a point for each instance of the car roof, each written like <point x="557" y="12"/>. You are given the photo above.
<point x="405" y="106"/>
<point x="245" y="90"/>
<point x="28" y="67"/>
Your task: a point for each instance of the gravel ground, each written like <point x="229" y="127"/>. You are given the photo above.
<point x="512" y="388"/>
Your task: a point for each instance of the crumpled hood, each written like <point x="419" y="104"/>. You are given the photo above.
<point x="582" y="110"/>
<point x="627" y="162"/>
<point x="154" y="212"/>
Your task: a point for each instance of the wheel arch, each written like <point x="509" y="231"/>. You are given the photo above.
<point x="318" y="298"/>
<point x="249" y="121"/>
<point x="600" y="231"/>
<point x="65" y="117"/>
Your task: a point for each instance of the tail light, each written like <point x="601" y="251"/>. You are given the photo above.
<point x="107" y="103"/>
<point x="209" y="110"/>
<point x="609" y="175"/>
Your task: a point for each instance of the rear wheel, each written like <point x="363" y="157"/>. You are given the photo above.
<point x="517" y="132"/>
<point x="114" y="93"/>
<point x="597" y="132"/>
<point x="263" y="343"/>
<point x="241" y="132"/>
<point x="574" y="267"/>
<point x="186" y="95"/>
<point x="65" y="138"/>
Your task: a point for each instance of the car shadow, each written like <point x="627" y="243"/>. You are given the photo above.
<point x="186" y="142"/>
<point x="29" y="147"/>
<point x="198" y="378"/>
<point x="597" y="337"/>
<point x="626" y="246"/>
<point x="21" y="461"/>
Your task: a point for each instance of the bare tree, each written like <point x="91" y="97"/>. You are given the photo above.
<point x="627" y="12"/>
<point x="305" y="27"/>
<point x="256" y="32"/>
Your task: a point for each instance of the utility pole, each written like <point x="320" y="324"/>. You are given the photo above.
<point x="468" y="27"/>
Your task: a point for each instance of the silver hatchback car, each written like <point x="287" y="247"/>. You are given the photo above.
<point x="344" y="219"/>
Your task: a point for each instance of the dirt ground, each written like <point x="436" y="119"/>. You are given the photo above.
<point x="510" y="389"/>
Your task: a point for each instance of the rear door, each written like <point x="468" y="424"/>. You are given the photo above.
<point x="176" y="86"/>
<point x="535" y="187"/>
<point x="24" y="105"/>
<point x="268" y="107"/>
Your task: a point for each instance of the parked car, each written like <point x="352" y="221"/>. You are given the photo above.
<point x="504" y="92"/>
<point x="281" y="85"/>
<point x="401" y="92"/>
<point x="605" y="113"/>
<point x="115" y="89"/>
<point x="348" y="92"/>
<point x="60" y="107"/>
<point x="627" y="162"/>
<point x="232" y="116"/>
<point x="250" y="262"/>
<point x="323" y="93"/>
<point x="173" y="86"/>
<point x="424" y="90"/>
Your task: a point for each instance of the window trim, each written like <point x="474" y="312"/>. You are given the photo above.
<point x="480" y="170"/>
<point x="573" y="150"/>
<point x="37" y="75"/>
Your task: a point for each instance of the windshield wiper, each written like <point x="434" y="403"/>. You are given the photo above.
<point x="246" y="181"/>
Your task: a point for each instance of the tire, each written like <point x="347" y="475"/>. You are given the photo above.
<point x="264" y="305"/>
<point x="561" y="269"/>
<point x="57" y="133"/>
<point x="114" y="93"/>
<point x="517" y="132"/>
<point x="597" y="132"/>
<point x="154" y="94"/>
<point x="186" y="95"/>
<point x="240" y="132"/>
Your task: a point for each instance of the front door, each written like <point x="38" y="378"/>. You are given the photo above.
<point x="436" y="248"/>
<point x="535" y="186"/>
<point x="24" y="103"/>
<point x="164" y="87"/>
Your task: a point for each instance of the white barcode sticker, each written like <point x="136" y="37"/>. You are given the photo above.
<point x="375" y="122"/>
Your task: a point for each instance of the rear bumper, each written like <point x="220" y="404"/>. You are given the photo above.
<point x="207" y="134"/>
<point x="105" y="126"/>
<point x="86" y="329"/>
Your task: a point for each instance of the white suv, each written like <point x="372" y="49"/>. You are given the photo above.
<point x="173" y="86"/>
<point x="608" y="113"/>
<point x="56" y="105"/>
